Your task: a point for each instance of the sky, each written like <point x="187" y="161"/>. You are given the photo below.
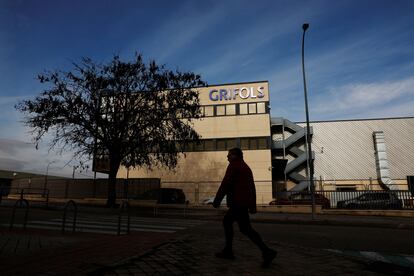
<point x="359" y="55"/>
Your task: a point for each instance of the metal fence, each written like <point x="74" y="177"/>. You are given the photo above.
<point x="78" y="188"/>
<point x="364" y="199"/>
<point x="203" y="192"/>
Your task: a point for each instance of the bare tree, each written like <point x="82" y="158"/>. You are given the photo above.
<point x="129" y="113"/>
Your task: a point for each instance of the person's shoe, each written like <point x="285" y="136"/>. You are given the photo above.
<point x="225" y="255"/>
<point x="268" y="257"/>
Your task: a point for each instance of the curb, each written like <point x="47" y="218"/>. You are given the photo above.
<point x="336" y="223"/>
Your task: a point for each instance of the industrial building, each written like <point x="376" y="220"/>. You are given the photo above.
<point x="373" y="154"/>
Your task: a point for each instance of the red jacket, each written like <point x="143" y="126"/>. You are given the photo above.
<point x="238" y="185"/>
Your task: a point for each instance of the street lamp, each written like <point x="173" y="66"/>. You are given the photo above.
<point x="47" y="172"/>
<point x="308" y="138"/>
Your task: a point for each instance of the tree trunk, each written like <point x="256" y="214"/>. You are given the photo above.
<point x="111" y="201"/>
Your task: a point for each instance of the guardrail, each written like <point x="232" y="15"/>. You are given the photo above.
<point x="19" y="202"/>
<point x="122" y="208"/>
<point x="75" y="213"/>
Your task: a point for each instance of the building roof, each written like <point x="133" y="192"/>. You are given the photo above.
<point x="354" y="120"/>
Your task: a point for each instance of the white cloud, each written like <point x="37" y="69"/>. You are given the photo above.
<point x="240" y="49"/>
<point x="356" y="77"/>
<point x="17" y="155"/>
<point x="362" y="99"/>
<point x="17" y="151"/>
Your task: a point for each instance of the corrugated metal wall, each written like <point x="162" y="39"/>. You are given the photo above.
<point x="345" y="149"/>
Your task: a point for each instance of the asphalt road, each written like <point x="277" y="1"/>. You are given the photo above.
<point x="395" y="241"/>
<point x="385" y="240"/>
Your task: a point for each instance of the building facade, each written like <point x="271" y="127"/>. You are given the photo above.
<point x="234" y="115"/>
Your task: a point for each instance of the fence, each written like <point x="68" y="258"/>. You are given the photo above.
<point x="367" y="199"/>
<point x="80" y="188"/>
<point x="203" y="192"/>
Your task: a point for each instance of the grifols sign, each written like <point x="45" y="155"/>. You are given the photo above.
<point x="234" y="93"/>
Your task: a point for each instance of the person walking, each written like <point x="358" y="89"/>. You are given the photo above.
<point x="238" y="186"/>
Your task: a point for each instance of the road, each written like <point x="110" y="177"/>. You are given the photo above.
<point x="389" y="245"/>
<point x="392" y="241"/>
<point x="386" y="240"/>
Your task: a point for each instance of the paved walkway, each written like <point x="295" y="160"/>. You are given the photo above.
<point x="34" y="252"/>
<point x="50" y="253"/>
<point x="47" y="252"/>
<point x="194" y="255"/>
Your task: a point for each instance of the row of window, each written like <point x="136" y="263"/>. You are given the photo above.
<point x="234" y="109"/>
<point x="213" y="110"/>
<point x="224" y="144"/>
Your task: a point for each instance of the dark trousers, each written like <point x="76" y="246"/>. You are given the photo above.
<point x="241" y="215"/>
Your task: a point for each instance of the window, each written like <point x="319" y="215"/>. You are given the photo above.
<point x="221" y="144"/>
<point x="189" y="146"/>
<point x="234" y="109"/>
<point x="253" y="143"/>
<point x="231" y="143"/>
<point x="199" y="146"/>
<point x="220" y="110"/>
<point x="262" y="143"/>
<point x="252" y="108"/>
<point x="243" y="109"/>
<point x="209" y="145"/>
<point x="261" y="107"/>
<point x="231" y="109"/>
<point x="244" y="143"/>
<point x="209" y="111"/>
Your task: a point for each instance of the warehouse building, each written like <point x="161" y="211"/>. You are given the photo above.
<point x="368" y="154"/>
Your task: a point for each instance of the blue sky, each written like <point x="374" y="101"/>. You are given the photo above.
<point x="359" y="54"/>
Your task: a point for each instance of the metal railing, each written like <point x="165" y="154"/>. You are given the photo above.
<point x="19" y="203"/>
<point x="75" y="214"/>
<point x="362" y="199"/>
<point x="41" y="193"/>
<point x="124" y="207"/>
<point x="185" y="208"/>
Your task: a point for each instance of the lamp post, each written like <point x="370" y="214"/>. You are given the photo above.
<point x="308" y="138"/>
<point x="47" y="172"/>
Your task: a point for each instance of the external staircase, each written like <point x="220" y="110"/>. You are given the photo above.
<point x="292" y="146"/>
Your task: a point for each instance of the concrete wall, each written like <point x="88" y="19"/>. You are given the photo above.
<point x="203" y="172"/>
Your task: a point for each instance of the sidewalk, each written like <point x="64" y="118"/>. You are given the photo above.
<point x="44" y="252"/>
<point x="189" y="253"/>
<point x="48" y="252"/>
<point x="194" y="255"/>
